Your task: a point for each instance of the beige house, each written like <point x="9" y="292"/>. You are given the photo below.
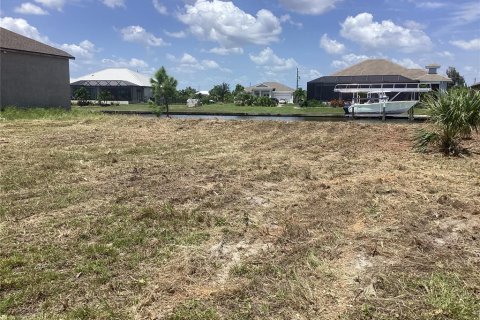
<point x="272" y="90"/>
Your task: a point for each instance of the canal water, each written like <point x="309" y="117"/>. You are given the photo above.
<point x="339" y="118"/>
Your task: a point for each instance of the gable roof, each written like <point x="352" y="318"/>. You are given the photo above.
<point x="15" y="42"/>
<point x="273" y="85"/>
<point x="383" y="67"/>
<point x="116" y="74"/>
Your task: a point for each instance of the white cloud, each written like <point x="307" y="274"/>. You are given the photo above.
<point x="84" y="49"/>
<point x="385" y="35"/>
<point x="428" y="4"/>
<point x="466" y="13"/>
<point x="124" y="63"/>
<point x="473" y="44"/>
<point x="178" y="35"/>
<point x="407" y="63"/>
<point x="309" y="74"/>
<point x="21" y="26"/>
<point x="189" y="64"/>
<point x="226" y="24"/>
<point x="312" y="7"/>
<point x="410" y="24"/>
<point x="160" y="7"/>
<point x="350" y="59"/>
<point x="30" y="8"/>
<point x="271" y="62"/>
<point x="331" y="46"/>
<point x="140" y="35"/>
<point x="445" y="54"/>
<point x="287" y="18"/>
<point x="224" y="51"/>
<point x="52" y="4"/>
<point x="114" y="3"/>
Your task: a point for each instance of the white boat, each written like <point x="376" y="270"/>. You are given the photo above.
<point x="378" y="101"/>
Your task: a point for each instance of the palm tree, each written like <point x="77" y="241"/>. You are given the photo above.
<point x="455" y="114"/>
<point x="164" y="87"/>
<point x="299" y="95"/>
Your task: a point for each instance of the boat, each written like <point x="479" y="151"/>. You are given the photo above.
<point x="382" y="98"/>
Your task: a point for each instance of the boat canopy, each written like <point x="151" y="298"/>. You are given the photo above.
<point x="383" y="87"/>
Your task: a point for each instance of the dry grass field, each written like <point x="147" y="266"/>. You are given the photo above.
<point x="134" y="218"/>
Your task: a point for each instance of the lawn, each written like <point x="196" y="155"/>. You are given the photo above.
<point x="231" y="108"/>
<point x="106" y="217"/>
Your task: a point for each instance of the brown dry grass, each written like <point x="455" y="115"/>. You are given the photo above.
<point x="138" y="218"/>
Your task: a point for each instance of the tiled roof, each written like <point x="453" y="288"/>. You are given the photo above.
<point x="382" y="67"/>
<point x="13" y="41"/>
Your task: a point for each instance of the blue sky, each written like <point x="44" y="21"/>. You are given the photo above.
<point x="203" y="43"/>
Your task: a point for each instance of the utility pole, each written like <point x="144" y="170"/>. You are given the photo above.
<point x="298" y="77"/>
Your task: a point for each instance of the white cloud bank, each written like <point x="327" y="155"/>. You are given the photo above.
<point x="311" y="7"/>
<point x="162" y="9"/>
<point x="114" y="3"/>
<point x="228" y="25"/>
<point x="30" y="8"/>
<point x="139" y="35"/>
<point x="271" y="62"/>
<point x="52" y="4"/>
<point x="473" y="44"/>
<point x="384" y="35"/>
<point x="189" y="64"/>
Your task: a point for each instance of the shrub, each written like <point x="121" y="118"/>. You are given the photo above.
<point x="264" y="102"/>
<point x="312" y="104"/>
<point x="454" y="115"/>
<point x="81" y="95"/>
<point x="337" y="103"/>
<point x="244" y="99"/>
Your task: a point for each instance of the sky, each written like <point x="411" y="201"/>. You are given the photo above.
<point x="206" y="42"/>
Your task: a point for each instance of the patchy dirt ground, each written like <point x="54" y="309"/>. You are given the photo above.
<point x="167" y="219"/>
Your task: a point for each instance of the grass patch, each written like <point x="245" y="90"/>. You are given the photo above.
<point x="129" y="217"/>
<point x="14" y="113"/>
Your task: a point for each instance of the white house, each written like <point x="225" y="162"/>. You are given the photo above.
<point x="272" y="90"/>
<point x="125" y="86"/>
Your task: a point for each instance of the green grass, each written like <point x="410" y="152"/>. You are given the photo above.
<point x="13" y="113"/>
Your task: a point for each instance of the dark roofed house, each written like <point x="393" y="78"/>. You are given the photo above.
<point x="32" y="74"/>
<point x="374" y="71"/>
<point x="475" y="86"/>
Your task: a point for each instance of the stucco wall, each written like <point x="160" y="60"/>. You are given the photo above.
<point x="30" y="80"/>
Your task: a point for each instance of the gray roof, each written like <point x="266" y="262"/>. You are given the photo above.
<point x="15" y="42"/>
<point x="382" y="67"/>
<point x="270" y="85"/>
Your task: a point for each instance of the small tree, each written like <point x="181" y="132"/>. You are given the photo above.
<point x="164" y="89"/>
<point x="104" y="97"/>
<point x="454" y="115"/>
<point x="81" y="95"/>
<point x="238" y="89"/>
<point x="299" y="96"/>
<point x="457" y="79"/>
